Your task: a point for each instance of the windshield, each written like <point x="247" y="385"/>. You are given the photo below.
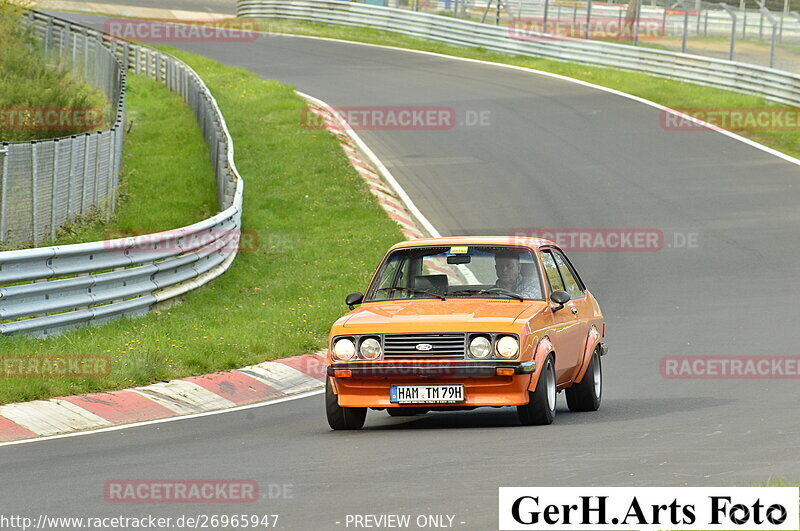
<point x="460" y="271"/>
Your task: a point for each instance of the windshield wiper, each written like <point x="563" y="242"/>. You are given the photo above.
<point x="500" y="291"/>
<point x="424" y="292"/>
<point x="413" y="290"/>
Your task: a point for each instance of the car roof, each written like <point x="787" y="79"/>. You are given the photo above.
<point x="515" y="241"/>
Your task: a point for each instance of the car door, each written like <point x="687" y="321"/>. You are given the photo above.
<point x="567" y="335"/>
<point x="578" y="306"/>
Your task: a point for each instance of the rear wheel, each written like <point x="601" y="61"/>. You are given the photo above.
<point x="342" y="418"/>
<point x="541" y="408"/>
<point x="586" y="396"/>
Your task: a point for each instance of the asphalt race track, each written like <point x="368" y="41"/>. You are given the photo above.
<point x="554" y="154"/>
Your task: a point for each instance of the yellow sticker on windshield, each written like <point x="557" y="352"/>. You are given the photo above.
<point x="461" y="249"/>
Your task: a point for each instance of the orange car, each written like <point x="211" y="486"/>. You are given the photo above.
<point x="459" y="323"/>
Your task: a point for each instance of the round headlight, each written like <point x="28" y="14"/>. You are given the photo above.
<point x="507" y="347"/>
<point x="370" y="349"/>
<point x="480" y="347"/>
<point x="344" y="349"/>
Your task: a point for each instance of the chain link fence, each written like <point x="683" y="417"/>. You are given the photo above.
<point x="762" y="32"/>
<point x="46" y="183"/>
<point x="46" y="290"/>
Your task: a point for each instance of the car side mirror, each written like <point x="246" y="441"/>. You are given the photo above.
<point x="357" y="298"/>
<point x="559" y="297"/>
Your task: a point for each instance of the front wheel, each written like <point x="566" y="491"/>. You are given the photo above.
<point x="586" y="396"/>
<point x="342" y="418"/>
<point x="541" y="408"/>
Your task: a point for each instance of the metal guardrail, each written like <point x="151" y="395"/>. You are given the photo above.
<point x="775" y="85"/>
<point x="45" y="290"/>
<point x="47" y="182"/>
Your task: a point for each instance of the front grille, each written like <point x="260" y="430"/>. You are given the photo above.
<point x="443" y="346"/>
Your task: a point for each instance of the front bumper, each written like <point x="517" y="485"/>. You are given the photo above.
<point x="369" y="383"/>
<point x="381" y="369"/>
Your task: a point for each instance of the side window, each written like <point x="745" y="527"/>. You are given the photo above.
<point x="551" y="271"/>
<point x="573" y="286"/>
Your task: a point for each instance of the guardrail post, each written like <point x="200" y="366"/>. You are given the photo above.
<point x="4" y="192"/>
<point x="71" y="176"/>
<point x="97" y="138"/>
<point x="743" y="9"/>
<point x="558" y="17"/>
<point x="111" y="189"/>
<point x="83" y="173"/>
<point x="588" y="17"/>
<point x="54" y="195"/>
<point x="61" y="33"/>
<point x="698" y="6"/>
<point x="783" y="15"/>
<point x="638" y="20"/>
<point x="731" y="13"/>
<point x="85" y="52"/>
<point x="47" y="33"/>
<point x="125" y="55"/>
<point x="774" y="23"/>
<point x="685" y="25"/>
<point x="35" y="192"/>
<point x="74" y="47"/>
<point x="544" y="17"/>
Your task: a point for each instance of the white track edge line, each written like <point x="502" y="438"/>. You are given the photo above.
<point x="384" y="171"/>
<point x="304" y="394"/>
<point x="752" y="143"/>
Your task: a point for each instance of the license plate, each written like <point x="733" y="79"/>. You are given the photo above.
<point x="426" y="394"/>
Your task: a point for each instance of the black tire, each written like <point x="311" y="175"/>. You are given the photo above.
<point x="405" y="411"/>
<point x="541" y="409"/>
<point x="342" y="418"/>
<point x="586" y="396"/>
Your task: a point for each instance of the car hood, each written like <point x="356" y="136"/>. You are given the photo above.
<point x="429" y="315"/>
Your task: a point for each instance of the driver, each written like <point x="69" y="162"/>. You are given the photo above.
<point x="509" y="276"/>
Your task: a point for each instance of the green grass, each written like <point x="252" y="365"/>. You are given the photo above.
<point x="320" y="235"/>
<point x="671" y="93"/>
<point x="167" y="176"/>
<point x="28" y="83"/>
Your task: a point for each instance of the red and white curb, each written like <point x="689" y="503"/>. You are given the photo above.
<point x="381" y="183"/>
<point x="266" y="381"/>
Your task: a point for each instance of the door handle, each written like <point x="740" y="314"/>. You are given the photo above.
<point x="574" y="310"/>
